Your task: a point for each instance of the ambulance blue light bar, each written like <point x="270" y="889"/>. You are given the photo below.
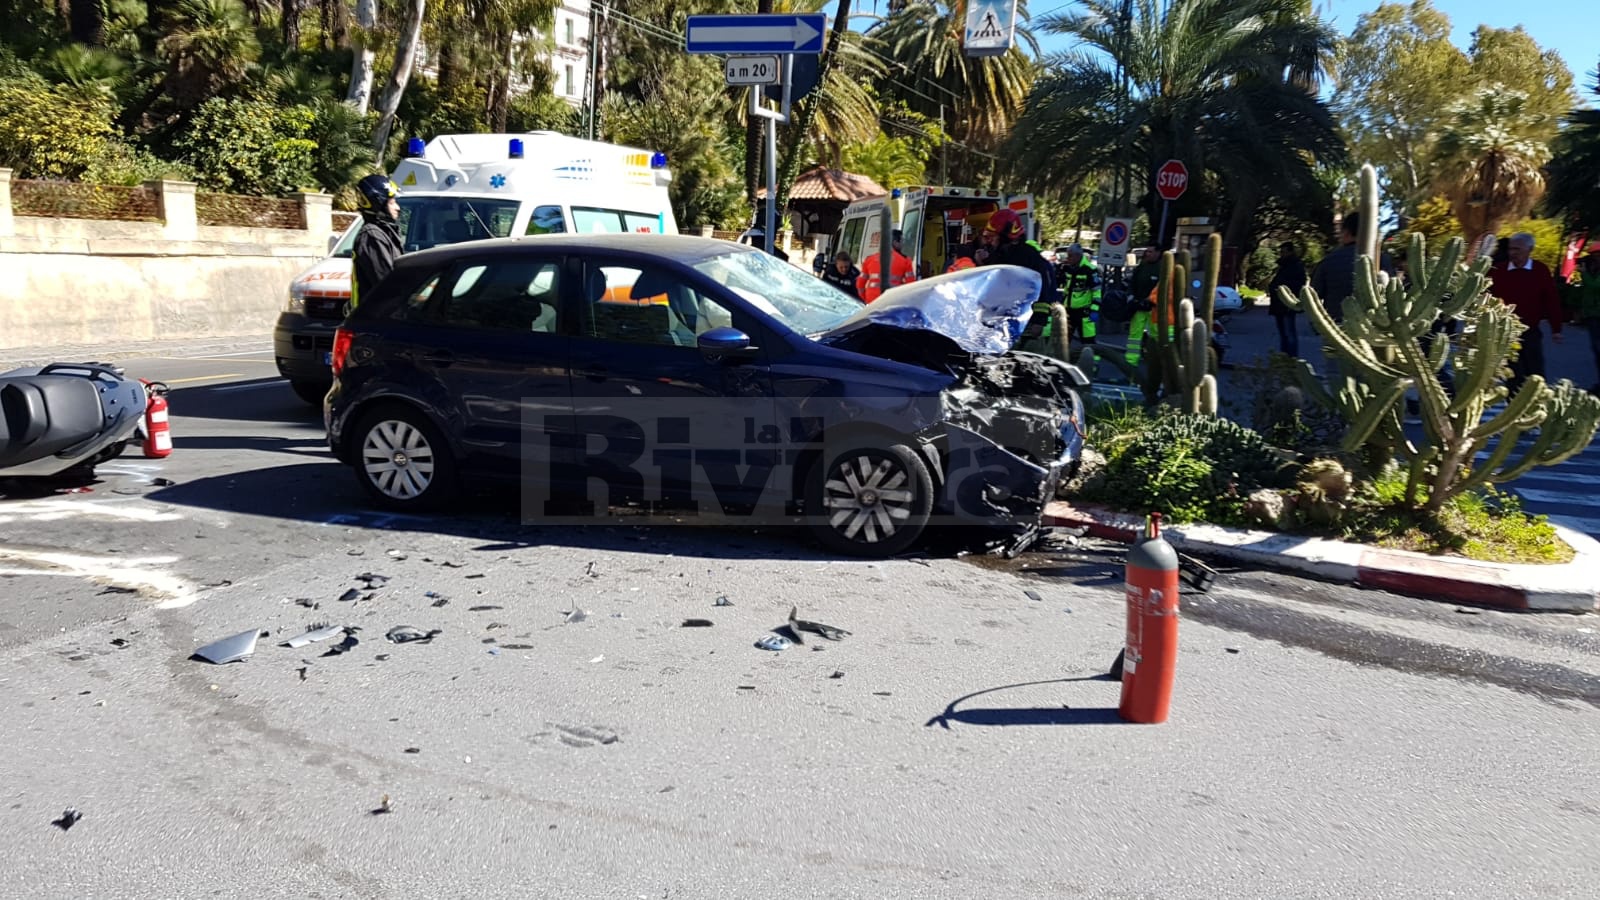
<point x="658" y="160"/>
<point x="415" y="147"/>
<point x="516" y="148"/>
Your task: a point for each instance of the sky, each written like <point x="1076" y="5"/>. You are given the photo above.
<point x="1566" y="26"/>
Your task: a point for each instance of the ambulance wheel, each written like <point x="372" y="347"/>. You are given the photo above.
<point x="311" y="392"/>
<point x="869" y="501"/>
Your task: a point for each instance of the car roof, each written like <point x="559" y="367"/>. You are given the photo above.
<point x="683" y="248"/>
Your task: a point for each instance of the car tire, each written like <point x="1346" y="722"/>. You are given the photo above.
<point x="312" y="392"/>
<point x="403" y="460"/>
<point x="846" y="504"/>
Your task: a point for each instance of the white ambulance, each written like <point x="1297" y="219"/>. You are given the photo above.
<point x="934" y="220"/>
<point x="463" y="187"/>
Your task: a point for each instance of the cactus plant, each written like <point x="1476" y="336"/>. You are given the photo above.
<point x="1386" y="347"/>
<point x="1183" y="367"/>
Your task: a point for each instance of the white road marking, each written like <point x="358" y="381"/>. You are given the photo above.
<point x="266" y="349"/>
<point x="137" y="574"/>
<point x="253" y="386"/>
<point x="56" y="510"/>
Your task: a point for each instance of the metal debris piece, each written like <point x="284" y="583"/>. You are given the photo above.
<point x="404" y="634"/>
<point x="349" y="595"/>
<point x="1199" y="575"/>
<point x="836" y="674"/>
<point x="313" y="634"/>
<point x="1233" y="649"/>
<point x="1033" y="595"/>
<point x="493" y="625"/>
<point x="117" y="589"/>
<point x="302" y="671"/>
<point x="371" y="578"/>
<point x="575" y="615"/>
<point x="413" y="749"/>
<point x="479" y="575"/>
<point x="483" y="608"/>
<point x="589" y="570"/>
<point x="230" y="649"/>
<point x="349" y="643"/>
<point x="119" y="643"/>
<point x="452" y="565"/>
<point x="774" y="642"/>
<point x="881" y="694"/>
<point x="516" y="646"/>
<point x="827" y="631"/>
<point x="438" y="599"/>
<point x="308" y="603"/>
<point x="747" y="687"/>
<point x="696" y="623"/>
<point x="68" y="819"/>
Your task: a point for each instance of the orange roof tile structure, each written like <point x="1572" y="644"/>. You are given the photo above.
<point x="823" y="183"/>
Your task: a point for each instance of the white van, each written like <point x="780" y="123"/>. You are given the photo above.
<point x="933" y="219"/>
<point x="463" y="187"/>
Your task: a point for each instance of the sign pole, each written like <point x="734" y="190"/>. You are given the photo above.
<point x="772" y="183"/>
<point x="1161" y="236"/>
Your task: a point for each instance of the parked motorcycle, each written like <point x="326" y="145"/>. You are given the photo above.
<point x="62" y="420"/>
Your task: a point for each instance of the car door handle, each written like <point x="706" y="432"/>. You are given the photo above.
<point x="439" y="357"/>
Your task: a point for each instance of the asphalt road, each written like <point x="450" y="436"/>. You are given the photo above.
<point x="960" y="741"/>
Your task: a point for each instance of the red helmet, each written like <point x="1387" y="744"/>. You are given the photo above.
<point x="1005" y="223"/>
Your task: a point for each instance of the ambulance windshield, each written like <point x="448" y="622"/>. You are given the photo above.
<point x="430" y="221"/>
<point x="798" y="299"/>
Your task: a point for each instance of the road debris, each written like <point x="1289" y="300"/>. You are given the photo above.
<point x="774" y="642"/>
<point x="307" y="602"/>
<point x="836" y="674"/>
<point x="313" y="634"/>
<point x="574" y="615"/>
<point x="438" y="598"/>
<point x="590" y="570"/>
<point x="68" y="819"/>
<point x="349" y="595"/>
<point x="384" y="806"/>
<point x="723" y="601"/>
<point x="1034" y="595"/>
<point x="405" y="634"/>
<point x="119" y="643"/>
<point x="302" y="671"/>
<point x="349" y="643"/>
<point x="483" y="608"/>
<point x="413" y="750"/>
<point x="522" y="647"/>
<point x="231" y="649"/>
<point x="371" y="579"/>
<point x="696" y="623"/>
<point x="394" y="554"/>
<point x="827" y="631"/>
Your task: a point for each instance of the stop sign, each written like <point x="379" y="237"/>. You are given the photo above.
<point x="1172" y="179"/>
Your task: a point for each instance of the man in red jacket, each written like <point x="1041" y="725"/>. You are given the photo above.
<point x="1528" y="286"/>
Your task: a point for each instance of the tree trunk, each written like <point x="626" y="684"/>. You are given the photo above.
<point x="291" y="24"/>
<point x="361" y="66"/>
<point x="500" y="95"/>
<point x="795" y="134"/>
<point x="88" y="22"/>
<point x="404" y="57"/>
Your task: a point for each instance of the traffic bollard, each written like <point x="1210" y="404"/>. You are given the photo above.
<point x="1150" y="653"/>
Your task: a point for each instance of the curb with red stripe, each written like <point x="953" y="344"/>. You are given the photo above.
<point x="1568" y="587"/>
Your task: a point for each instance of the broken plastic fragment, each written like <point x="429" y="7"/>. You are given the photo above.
<point x="345" y="645"/>
<point x="349" y="595"/>
<point x="774" y="642"/>
<point x="314" y="634"/>
<point x="575" y="615"/>
<point x="696" y="623"/>
<point x="402" y="634"/>
<point x="1033" y="595"/>
<point x="230" y="649"/>
<point x="827" y="631"/>
<point x="483" y="608"/>
<point x="68" y="819"/>
<point x="723" y="601"/>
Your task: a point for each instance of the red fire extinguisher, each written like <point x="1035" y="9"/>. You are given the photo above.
<point x="157" y="430"/>
<point x="1150" y="656"/>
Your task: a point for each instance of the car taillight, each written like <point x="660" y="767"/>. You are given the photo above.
<point x="341" y="348"/>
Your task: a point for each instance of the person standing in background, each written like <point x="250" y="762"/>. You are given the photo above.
<point x="1528" y="286"/>
<point x="1291" y="274"/>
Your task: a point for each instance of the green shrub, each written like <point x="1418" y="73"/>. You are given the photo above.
<point x="1190" y="467"/>
<point x="127" y="165"/>
<point x="51" y="131"/>
<point x="251" y="146"/>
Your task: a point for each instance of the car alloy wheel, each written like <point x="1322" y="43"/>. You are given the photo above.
<point x="398" y="459"/>
<point x="871" y="501"/>
<point x="868" y="499"/>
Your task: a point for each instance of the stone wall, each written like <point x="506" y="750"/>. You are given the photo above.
<point x="67" y="280"/>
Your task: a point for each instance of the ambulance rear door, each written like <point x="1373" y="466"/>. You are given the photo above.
<point x="912" y="227"/>
<point x="1022" y="205"/>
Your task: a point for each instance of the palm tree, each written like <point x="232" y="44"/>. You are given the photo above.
<point x="1574" y="169"/>
<point x="929" y="71"/>
<point x="1491" y="159"/>
<point x="1227" y="87"/>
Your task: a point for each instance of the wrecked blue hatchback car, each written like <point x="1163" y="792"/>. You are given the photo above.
<point x="598" y="371"/>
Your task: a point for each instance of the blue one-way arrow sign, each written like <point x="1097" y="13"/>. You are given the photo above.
<point x="759" y="33"/>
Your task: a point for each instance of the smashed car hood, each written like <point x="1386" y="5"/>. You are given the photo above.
<point x="981" y="310"/>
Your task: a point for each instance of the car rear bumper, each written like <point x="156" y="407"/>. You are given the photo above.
<point x="303" y="346"/>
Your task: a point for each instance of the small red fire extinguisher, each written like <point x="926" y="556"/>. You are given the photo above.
<point x="157" y="430"/>
<point x="1150" y="656"/>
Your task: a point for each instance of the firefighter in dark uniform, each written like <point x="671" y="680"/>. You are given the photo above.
<point x="378" y="242"/>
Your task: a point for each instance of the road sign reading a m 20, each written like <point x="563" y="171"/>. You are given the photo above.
<point x="756" y="33"/>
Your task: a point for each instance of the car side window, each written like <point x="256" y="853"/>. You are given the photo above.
<point x="546" y="220"/>
<point x="646" y="305"/>
<point x="501" y="294"/>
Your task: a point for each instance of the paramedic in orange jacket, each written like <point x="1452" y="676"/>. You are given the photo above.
<point x="900" y="272"/>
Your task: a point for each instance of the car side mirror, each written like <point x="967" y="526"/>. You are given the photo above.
<point x="723" y="341"/>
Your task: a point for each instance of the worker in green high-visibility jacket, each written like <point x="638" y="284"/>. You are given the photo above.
<point x="1079" y="281"/>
